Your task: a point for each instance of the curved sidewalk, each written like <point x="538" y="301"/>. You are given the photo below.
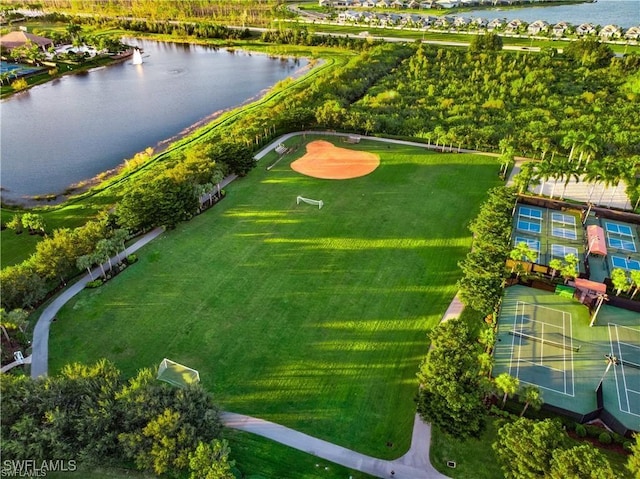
<point x="413" y="465"/>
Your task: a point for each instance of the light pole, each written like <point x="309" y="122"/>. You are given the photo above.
<point x="601" y="299"/>
<point x="611" y="360"/>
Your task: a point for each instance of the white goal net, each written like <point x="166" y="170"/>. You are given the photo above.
<point x="309" y="201"/>
<point x="177" y="374"/>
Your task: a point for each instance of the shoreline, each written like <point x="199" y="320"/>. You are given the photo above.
<point x="85" y="185"/>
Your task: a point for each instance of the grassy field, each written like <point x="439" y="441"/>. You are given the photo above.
<point x="314" y="319"/>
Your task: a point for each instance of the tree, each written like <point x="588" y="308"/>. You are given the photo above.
<point x="22" y="286"/>
<point x="635" y="281"/>
<point x="33" y="222"/>
<point x="530" y="395"/>
<point x="55" y="256"/>
<point x="85" y="262"/>
<point x="633" y="463"/>
<point x="556" y="265"/>
<point x="211" y="461"/>
<point x="580" y="462"/>
<point x="525" y="448"/>
<point x="569" y="267"/>
<point x="508" y="385"/>
<point x="450" y="396"/>
<point x="619" y="279"/>
<point x="523" y="252"/>
<point x="488" y="42"/>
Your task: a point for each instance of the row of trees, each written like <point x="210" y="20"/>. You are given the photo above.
<point x="483" y="267"/>
<point x="90" y="414"/>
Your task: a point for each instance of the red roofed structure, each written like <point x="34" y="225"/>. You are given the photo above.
<point x="595" y="241"/>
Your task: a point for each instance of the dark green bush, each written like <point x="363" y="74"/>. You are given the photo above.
<point x="605" y="438"/>
<point x="132" y="258"/>
<point x="96" y="283"/>
<point x="580" y="430"/>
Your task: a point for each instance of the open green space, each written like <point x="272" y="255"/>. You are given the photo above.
<point x="314" y="319"/>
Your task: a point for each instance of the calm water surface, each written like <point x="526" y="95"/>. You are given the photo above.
<point x="624" y="13"/>
<point x="72" y="129"/>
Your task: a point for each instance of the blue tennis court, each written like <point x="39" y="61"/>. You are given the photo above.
<point x="530" y="219"/>
<point x="620" y="237"/>
<point x="563" y="226"/>
<point x="624" y="263"/>
<point x="17" y="69"/>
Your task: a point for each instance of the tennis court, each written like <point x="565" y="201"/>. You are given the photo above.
<point x="544" y="339"/>
<point x="625" y="346"/>
<point x="542" y="348"/>
<point x="552" y="234"/>
<point x="620" y="237"/>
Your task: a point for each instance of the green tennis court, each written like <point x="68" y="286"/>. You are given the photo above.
<point x="544" y="339"/>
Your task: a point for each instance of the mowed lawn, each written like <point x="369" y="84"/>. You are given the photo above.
<point x="312" y="318"/>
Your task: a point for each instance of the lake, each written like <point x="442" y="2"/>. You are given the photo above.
<point x="624" y="13"/>
<point x="73" y="128"/>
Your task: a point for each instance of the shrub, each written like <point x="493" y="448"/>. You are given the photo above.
<point x="605" y="438"/>
<point x="580" y="430"/>
<point x="19" y="84"/>
<point x="132" y="258"/>
<point x="15" y="223"/>
<point x="96" y="283"/>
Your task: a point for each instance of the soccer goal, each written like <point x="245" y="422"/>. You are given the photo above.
<point x="177" y="374"/>
<point x="309" y="201"/>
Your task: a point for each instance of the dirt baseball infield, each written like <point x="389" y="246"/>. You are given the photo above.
<point x="329" y="162"/>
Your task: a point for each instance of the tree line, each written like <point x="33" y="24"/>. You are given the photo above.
<point x="92" y="415"/>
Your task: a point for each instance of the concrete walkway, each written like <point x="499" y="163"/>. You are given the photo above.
<point x="413" y="465"/>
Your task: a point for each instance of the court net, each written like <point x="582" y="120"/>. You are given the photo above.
<point x="630" y="364"/>
<point x="544" y="341"/>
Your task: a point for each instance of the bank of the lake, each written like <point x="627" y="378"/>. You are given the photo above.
<point x="88" y="124"/>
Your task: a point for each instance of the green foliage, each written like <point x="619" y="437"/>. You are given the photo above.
<point x="605" y="438"/>
<point x="89" y="414"/>
<point x="96" y="283"/>
<point x="450" y="396"/>
<point x="211" y="461"/>
<point x="619" y="279"/>
<point x="589" y="52"/>
<point x="22" y="286"/>
<point x="15" y="223"/>
<point x="525" y="447"/>
<point x="580" y="430"/>
<point x="580" y="462"/>
<point x="483" y="268"/>
<point x="507" y="384"/>
<point x="132" y="258"/>
<point x="633" y="463"/>
<point x="33" y="222"/>
<point x="488" y="42"/>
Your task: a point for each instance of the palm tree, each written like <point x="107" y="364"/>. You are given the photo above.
<point x="85" y="262"/>
<point x="508" y="385"/>
<point x="635" y="281"/>
<point x="542" y="172"/>
<point x="568" y="170"/>
<point x="619" y="279"/>
<point x="589" y="146"/>
<point x="522" y="252"/>
<point x="525" y="177"/>
<point x="556" y="265"/>
<point x="594" y="174"/>
<point x="570" y="140"/>
<point x="530" y="395"/>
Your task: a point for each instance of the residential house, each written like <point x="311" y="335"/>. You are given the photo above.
<point x="513" y="25"/>
<point x="461" y="22"/>
<point x="480" y="22"/>
<point x="585" y="29"/>
<point x="325" y="3"/>
<point x="426" y="5"/>
<point x="537" y="27"/>
<point x="610" y="31"/>
<point x="414" y="4"/>
<point x="383" y="4"/>
<point x="397" y="4"/>
<point x="559" y="29"/>
<point x="495" y="23"/>
<point x="446" y="3"/>
<point x="443" y="22"/>
<point x="368" y="3"/>
<point x="632" y="33"/>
